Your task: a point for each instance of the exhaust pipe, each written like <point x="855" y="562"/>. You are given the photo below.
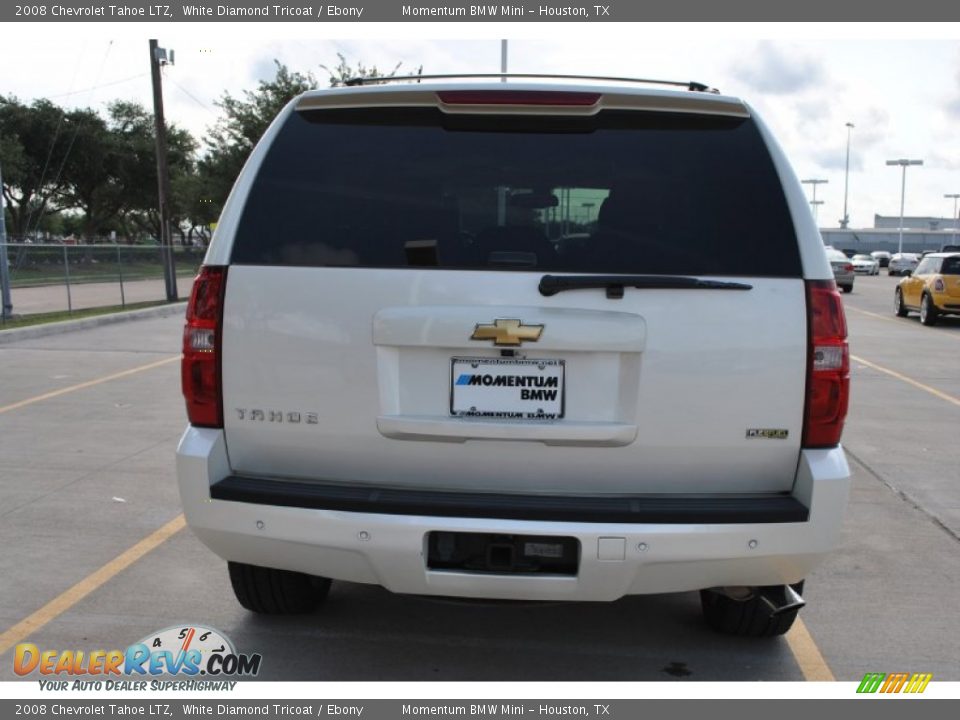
<point x="775" y="599"/>
<point x="780" y="599"/>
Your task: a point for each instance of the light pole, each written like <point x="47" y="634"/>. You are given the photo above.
<point x="903" y="163"/>
<point x="813" y="203"/>
<point x="846" y="180"/>
<point x="954" y="219"/>
<point x="587" y="206"/>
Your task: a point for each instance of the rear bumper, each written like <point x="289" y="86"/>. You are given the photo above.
<point x="642" y="548"/>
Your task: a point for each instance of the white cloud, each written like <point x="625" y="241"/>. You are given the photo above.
<point x="779" y="70"/>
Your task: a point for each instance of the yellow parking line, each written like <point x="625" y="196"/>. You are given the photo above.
<point x="89" y="383"/>
<point x="909" y="381"/>
<point x="66" y="600"/>
<point x="871" y="314"/>
<point x="900" y="321"/>
<point x="807" y="654"/>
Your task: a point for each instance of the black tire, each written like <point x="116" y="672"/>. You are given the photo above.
<point x="848" y="288"/>
<point x="749" y="618"/>
<point x="898" y="307"/>
<point x="891" y="273"/>
<point x="276" y="592"/>
<point x="928" y="311"/>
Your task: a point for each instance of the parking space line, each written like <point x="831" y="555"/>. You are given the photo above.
<point x="900" y="321"/>
<point x="871" y="314"/>
<point x="66" y="600"/>
<point x="807" y="654"/>
<point x="909" y="381"/>
<point x="89" y="383"/>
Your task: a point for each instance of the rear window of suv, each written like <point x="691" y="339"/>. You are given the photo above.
<point x="618" y="192"/>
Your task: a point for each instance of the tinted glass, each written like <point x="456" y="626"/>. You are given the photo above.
<point x="951" y="266"/>
<point x="621" y="192"/>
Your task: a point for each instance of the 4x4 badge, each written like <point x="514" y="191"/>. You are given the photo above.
<point x="507" y="332"/>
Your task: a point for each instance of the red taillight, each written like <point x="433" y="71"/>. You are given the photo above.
<point x="200" y="367"/>
<point x="517" y="97"/>
<point x="828" y="366"/>
<point x="848" y="268"/>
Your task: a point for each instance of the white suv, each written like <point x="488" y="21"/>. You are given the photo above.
<point x="518" y="341"/>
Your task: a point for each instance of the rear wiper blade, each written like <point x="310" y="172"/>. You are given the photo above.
<point x="614" y="284"/>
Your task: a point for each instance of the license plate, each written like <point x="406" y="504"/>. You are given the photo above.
<point x="507" y="388"/>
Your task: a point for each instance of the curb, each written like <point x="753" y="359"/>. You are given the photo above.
<point x="55" y="328"/>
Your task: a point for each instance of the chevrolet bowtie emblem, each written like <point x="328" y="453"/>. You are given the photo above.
<point x="507" y="332"/>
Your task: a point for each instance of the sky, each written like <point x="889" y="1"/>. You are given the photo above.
<point x="899" y="86"/>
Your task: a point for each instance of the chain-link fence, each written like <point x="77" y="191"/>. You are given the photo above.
<point x="70" y="278"/>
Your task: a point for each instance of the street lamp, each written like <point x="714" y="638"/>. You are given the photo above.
<point x="903" y="163"/>
<point x="587" y="206"/>
<point x="846" y="180"/>
<point x="953" y="220"/>
<point x="813" y="202"/>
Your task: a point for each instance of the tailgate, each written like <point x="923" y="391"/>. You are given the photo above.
<point x="663" y="391"/>
<point x="384" y="324"/>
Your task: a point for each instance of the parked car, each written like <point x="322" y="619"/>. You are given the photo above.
<point x="933" y="289"/>
<point x="393" y="377"/>
<point x="902" y="263"/>
<point x="882" y="256"/>
<point x="842" y="269"/>
<point x="865" y="265"/>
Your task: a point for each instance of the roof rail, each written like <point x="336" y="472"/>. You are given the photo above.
<point x="689" y="85"/>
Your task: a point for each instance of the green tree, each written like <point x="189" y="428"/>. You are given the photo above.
<point x="244" y="121"/>
<point x="35" y="142"/>
<point x="342" y="72"/>
<point x="136" y="202"/>
<point x="246" y="118"/>
<point x="111" y="171"/>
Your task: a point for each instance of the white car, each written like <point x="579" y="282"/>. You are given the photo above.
<point x="392" y="376"/>
<point x="882" y="257"/>
<point x="903" y="263"/>
<point x="865" y="265"/>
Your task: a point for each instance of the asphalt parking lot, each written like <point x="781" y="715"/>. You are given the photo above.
<point x="88" y="425"/>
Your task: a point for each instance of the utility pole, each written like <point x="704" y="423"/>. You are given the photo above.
<point x="158" y="57"/>
<point x="7" y="310"/>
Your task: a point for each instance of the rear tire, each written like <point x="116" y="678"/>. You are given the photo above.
<point x="276" y="592"/>
<point x="848" y="288"/>
<point x="749" y="618"/>
<point x="898" y="307"/>
<point x="928" y="311"/>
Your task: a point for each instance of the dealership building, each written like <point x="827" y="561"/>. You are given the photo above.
<point x="919" y="234"/>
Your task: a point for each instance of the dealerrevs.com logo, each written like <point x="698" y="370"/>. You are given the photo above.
<point x="889" y="683"/>
<point x="187" y="651"/>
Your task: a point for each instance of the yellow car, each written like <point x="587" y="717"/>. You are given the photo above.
<point x="933" y="289"/>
